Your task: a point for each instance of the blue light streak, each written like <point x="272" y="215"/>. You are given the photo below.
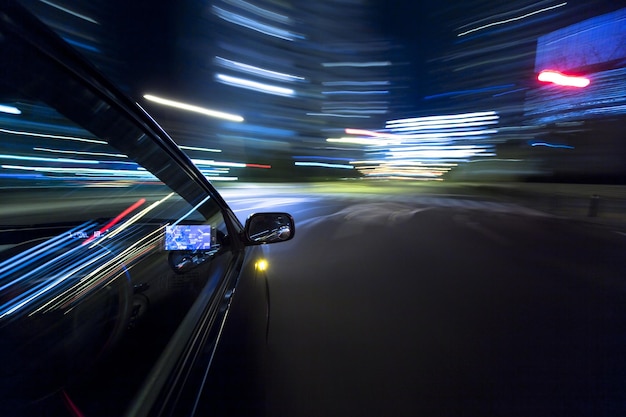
<point x="52" y="281"/>
<point x="351" y="92"/>
<point x="551" y="145"/>
<point x="468" y="92"/>
<point x="22" y="260"/>
<point x="82" y="45"/>
<point x="268" y="14"/>
<point x="322" y="158"/>
<point x="260" y="130"/>
<point x="256" y="26"/>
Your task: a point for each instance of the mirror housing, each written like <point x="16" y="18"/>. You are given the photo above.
<point x="262" y="228"/>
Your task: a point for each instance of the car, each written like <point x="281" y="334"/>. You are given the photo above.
<point x="127" y="284"/>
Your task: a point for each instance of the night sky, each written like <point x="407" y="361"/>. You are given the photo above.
<point x="422" y="28"/>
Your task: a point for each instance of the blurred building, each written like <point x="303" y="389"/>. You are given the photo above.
<point x="291" y="74"/>
<point x="300" y="72"/>
<point x="581" y="135"/>
<point x="275" y="84"/>
<point x="547" y="131"/>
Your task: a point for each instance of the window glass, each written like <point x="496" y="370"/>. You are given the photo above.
<point x="99" y="259"/>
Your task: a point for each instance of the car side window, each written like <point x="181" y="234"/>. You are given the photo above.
<point x="99" y="259"/>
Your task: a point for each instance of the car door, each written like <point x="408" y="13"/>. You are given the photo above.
<point x="120" y="264"/>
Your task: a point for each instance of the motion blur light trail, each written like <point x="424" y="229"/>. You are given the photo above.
<point x="49" y="136"/>
<point x="556" y="77"/>
<point x="193" y="108"/>
<point x="256" y="25"/>
<point x="89" y="174"/>
<point x="258" y="71"/>
<point x="71" y="12"/>
<point x="62" y="151"/>
<point x="54" y="281"/>
<point x="25" y="258"/>
<point x="9" y="109"/>
<point x="300" y="78"/>
<point x="424" y="147"/>
<point x="116" y="220"/>
<point x="255" y="85"/>
<point x="323" y="165"/>
<point x="512" y="19"/>
<point x="53" y="251"/>
<point x="196" y="148"/>
<point x="137" y="216"/>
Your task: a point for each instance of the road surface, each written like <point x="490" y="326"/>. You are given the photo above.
<point x="441" y="306"/>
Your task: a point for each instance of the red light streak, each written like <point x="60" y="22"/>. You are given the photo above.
<point x="258" y="166"/>
<point x="71" y="407"/>
<point x="115" y="220"/>
<point x="556" y="77"/>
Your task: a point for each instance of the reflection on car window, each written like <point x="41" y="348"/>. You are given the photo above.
<point x="99" y="262"/>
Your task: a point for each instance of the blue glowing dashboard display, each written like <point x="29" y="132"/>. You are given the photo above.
<point x="188" y="237"/>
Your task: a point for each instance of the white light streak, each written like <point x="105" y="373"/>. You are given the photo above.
<point x="213" y="178"/>
<point x="47" y="136"/>
<point x="50" y="284"/>
<point x="9" y="109"/>
<point x="347" y="116"/>
<point x="217" y="163"/>
<point x="261" y="72"/>
<point x="323" y="165"/>
<point x="193" y="108"/>
<point x="114" y="155"/>
<point x="353" y="92"/>
<point x="85" y="171"/>
<point x="256" y="26"/>
<point x="502" y="22"/>
<point x="48" y="246"/>
<point x="41" y="159"/>
<point x="355" y="83"/>
<point x="254" y="85"/>
<point x="360" y="141"/>
<point x="404" y="162"/>
<point x="268" y="14"/>
<point x="194" y="148"/>
<point x="357" y="64"/>
<point x="459" y="124"/>
<point x="191" y="211"/>
<point x="421" y="148"/>
<point x="67" y="274"/>
<point x="397" y="139"/>
<point x="71" y="12"/>
<point x="359" y="111"/>
<point x="450" y="118"/>
<point x="132" y="220"/>
<point x="438" y="154"/>
<point x="368" y="133"/>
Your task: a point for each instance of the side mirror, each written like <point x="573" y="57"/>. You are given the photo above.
<point x="264" y="228"/>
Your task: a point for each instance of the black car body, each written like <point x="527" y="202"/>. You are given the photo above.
<point x="127" y="285"/>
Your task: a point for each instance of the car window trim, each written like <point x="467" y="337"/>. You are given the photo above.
<point x="170" y="377"/>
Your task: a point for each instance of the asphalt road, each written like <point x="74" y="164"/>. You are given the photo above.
<point x="442" y="306"/>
